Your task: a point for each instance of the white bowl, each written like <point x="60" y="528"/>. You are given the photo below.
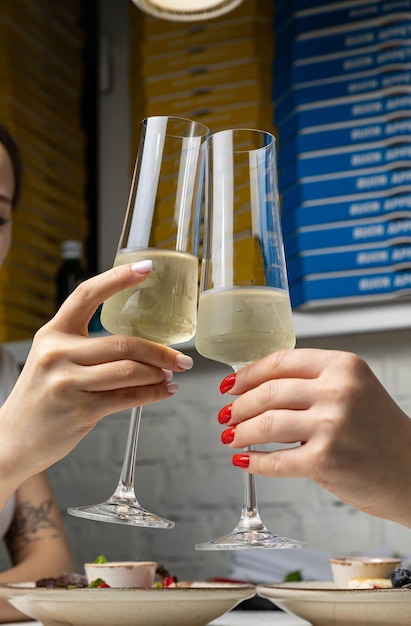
<point x="124" y="574"/>
<point x="195" y="605"/>
<point x="345" y="568"/>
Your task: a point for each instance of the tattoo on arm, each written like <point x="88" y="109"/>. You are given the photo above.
<point x="28" y="521"/>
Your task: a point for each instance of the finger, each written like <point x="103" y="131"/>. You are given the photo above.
<point x="269" y="427"/>
<point x="94" y="350"/>
<point x="121" y="347"/>
<point x="291" y="394"/>
<point x="286" y="463"/>
<point x="107" y="402"/>
<point x="117" y="375"/>
<point x="300" y="363"/>
<point x="76" y="312"/>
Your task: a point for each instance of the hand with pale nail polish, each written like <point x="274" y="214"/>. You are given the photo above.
<point x="70" y="380"/>
<point x="344" y="430"/>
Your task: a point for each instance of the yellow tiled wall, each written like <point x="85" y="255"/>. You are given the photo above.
<point x="41" y="74"/>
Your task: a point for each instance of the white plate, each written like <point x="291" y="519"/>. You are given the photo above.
<point x="194" y="605"/>
<point x="322" y="604"/>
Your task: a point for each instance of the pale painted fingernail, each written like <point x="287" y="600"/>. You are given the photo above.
<point x="184" y="361"/>
<point x="172" y="387"/>
<point x="168" y="374"/>
<point x="142" y="267"/>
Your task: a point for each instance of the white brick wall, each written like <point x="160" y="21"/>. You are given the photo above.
<point x="185" y="473"/>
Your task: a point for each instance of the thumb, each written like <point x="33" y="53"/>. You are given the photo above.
<point x="76" y="312"/>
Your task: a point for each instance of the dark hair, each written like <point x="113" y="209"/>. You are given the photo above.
<point x="14" y="153"/>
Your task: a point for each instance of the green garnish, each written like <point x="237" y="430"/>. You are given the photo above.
<point x="101" y="559"/>
<point x="96" y="583"/>
<point x="293" y="576"/>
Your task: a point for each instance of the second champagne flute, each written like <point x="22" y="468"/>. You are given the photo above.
<point x="244" y="307"/>
<point x="162" y="223"/>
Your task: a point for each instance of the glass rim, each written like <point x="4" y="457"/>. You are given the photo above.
<point x="194" y="123"/>
<point x="245" y="131"/>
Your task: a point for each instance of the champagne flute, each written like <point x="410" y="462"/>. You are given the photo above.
<point x="162" y="223"/>
<point x="244" y="306"/>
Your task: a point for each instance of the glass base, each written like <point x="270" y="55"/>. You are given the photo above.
<point x="247" y="539"/>
<point x="121" y="512"/>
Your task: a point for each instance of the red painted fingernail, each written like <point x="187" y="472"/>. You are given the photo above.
<point x="241" y="460"/>
<point x="227" y="383"/>
<point x="224" y="415"/>
<point x="227" y="436"/>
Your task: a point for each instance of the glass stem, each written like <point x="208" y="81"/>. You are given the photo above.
<point x="125" y="487"/>
<point x="250" y="517"/>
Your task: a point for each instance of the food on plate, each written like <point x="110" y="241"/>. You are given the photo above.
<point x="122" y="574"/>
<point x="165" y="578"/>
<point x="369" y="583"/>
<point x="65" y="581"/>
<point x="79" y="581"/>
<point x="401" y="577"/>
<point x="345" y="569"/>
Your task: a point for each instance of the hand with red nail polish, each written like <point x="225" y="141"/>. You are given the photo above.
<point x="224" y="415"/>
<point x="227" y="383"/>
<point x="343" y="429"/>
<point x="227" y="436"/>
<point x="241" y="460"/>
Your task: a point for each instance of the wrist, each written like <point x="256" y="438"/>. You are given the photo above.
<point x="13" y="469"/>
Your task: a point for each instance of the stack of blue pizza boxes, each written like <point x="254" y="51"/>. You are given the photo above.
<point x="342" y="99"/>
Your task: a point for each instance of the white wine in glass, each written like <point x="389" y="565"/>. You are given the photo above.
<point x="244" y="308"/>
<point x="162" y="224"/>
<point x="164" y="307"/>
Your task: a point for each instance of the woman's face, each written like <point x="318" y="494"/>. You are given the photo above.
<point x="6" y="195"/>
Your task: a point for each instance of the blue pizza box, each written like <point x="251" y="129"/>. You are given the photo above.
<point x="290" y="117"/>
<point x="392" y="207"/>
<point x="297" y="71"/>
<point x="346" y="99"/>
<point x="326" y="42"/>
<point x="298" y="6"/>
<point x="294" y="6"/>
<point x="332" y="136"/>
<point x="330" y="65"/>
<point x="343" y="15"/>
<point x="319" y="162"/>
<point x="310" y="264"/>
<point x="373" y="182"/>
<point x="289" y="7"/>
<point x="337" y="289"/>
<point x="313" y="44"/>
<point x="348" y="233"/>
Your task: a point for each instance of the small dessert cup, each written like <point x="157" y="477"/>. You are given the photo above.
<point x="346" y="568"/>
<point x="122" y="573"/>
